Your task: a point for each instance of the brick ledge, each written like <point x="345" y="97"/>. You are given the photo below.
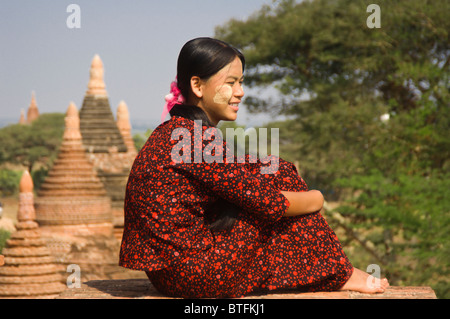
<point x="143" y="289"/>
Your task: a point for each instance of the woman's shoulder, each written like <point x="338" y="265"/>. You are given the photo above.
<point x="169" y="132"/>
<point x="179" y="125"/>
<point x="166" y="128"/>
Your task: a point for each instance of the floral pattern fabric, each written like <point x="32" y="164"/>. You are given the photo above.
<point x="166" y="236"/>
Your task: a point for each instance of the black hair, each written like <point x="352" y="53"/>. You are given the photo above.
<point x="191" y="112"/>
<point x="204" y="57"/>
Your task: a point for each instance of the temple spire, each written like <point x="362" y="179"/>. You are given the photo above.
<point x="26" y="211"/>
<point x="72" y="121"/>
<point x="33" y="112"/>
<point x="123" y="123"/>
<point x="22" y="119"/>
<point x="96" y="85"/>
<point x="123" y="117"/>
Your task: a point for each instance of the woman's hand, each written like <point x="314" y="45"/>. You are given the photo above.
<point x="303" y="202"/>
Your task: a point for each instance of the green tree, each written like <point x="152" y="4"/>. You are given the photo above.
<point x="9" y="182"/>
<point x="370" y="117"/>
<point x="337" y="77"/>
<point x="139" y="139"/>
<point x="28" y="145"/>
<point x="4" y="236"/>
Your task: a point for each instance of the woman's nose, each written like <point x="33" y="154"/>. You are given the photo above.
<point x="239" y="92"/>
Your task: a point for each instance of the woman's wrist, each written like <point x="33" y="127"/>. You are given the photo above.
<point x="303" y="202"/>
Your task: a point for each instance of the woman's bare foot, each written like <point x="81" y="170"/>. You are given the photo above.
<point x="363" y="282"/>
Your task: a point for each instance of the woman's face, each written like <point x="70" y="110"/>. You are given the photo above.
<point x="222" y="93"/>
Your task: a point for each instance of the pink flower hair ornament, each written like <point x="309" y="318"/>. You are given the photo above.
<point x="173" y="98"/>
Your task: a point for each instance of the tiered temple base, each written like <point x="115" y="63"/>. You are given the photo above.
<point x="143" y="289"/>
<point x="28" y="269"/>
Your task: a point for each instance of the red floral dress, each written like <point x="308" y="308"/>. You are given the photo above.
<point x="166" y="236"/>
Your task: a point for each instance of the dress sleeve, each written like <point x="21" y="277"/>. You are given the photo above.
<point x="233" y="181"/>
<point x="285" y="177"/>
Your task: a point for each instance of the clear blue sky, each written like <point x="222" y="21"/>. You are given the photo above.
<point x="138" y="42"/>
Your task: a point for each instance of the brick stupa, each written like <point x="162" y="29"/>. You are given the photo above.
<point x="104" y="143"/>
<point x="98" y="127"/>
<point x="33" y="111"/>
<point x="72" y="200"/>
<point x="124" y="125"/>
<point x="30" y="270"/>
<point x="22" y="119"/>
<point x="74" y="210"/>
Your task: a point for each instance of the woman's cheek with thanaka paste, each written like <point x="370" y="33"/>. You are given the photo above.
<point x="223" y="94"/>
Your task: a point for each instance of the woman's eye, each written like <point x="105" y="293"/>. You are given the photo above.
<point x="232" y="83"/>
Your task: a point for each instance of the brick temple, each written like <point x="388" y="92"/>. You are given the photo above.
<point x="77" y="216"/>
<point x="32" y="112"/>
<point x="28" y="269"/>
<point x="72" y="201"/>
<point x="74" y="211"/>
<point x="104" y="143"/>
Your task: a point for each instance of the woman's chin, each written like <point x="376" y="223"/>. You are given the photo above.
<point x="232" y="117"/>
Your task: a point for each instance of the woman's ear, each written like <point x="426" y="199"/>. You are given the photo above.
<point x="196" y="86"/>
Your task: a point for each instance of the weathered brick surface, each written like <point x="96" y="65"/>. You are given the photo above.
<point x="143" y="289"/>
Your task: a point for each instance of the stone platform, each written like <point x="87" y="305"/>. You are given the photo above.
<point x="143" y="289"/>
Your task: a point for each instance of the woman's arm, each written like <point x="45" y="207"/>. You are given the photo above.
<point x="303" y="202"/>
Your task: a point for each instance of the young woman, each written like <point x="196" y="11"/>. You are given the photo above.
<point x="223" y="229"/>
